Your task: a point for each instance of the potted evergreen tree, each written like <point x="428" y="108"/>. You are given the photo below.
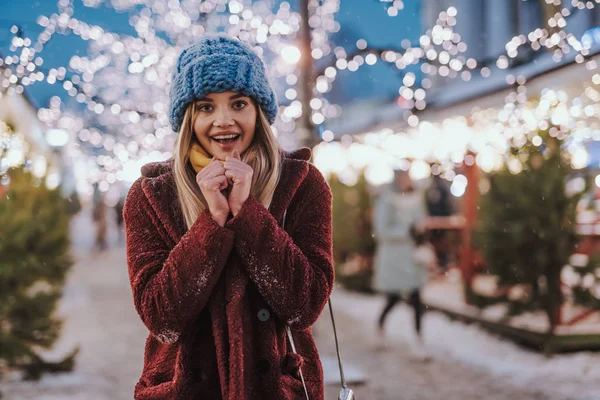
<point x="34" y="261"/>
<point x="527" y="222"/>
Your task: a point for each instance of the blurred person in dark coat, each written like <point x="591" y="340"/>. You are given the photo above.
<point x="99" y="217"/>
<point x="439" y="204"/>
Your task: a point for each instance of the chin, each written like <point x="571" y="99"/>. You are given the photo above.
<point x="227" y="153"/>
<point x="222" y="154"/>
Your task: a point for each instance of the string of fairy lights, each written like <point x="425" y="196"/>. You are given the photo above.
<point x="123" y="80"/>
<point x="426" y="148"/>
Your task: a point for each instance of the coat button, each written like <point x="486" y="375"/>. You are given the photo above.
<point x="264" y="315"/>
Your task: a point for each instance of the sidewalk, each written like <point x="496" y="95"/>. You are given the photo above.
<point x="459" y="362"/>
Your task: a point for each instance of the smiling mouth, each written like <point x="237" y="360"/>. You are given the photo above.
<point x="226" y="139"/>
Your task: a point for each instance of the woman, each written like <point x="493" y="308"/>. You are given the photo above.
<point x="215" y="277"/>
<point x="398" y="210"/>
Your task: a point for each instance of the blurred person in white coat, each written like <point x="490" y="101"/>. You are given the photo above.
<point x="399" y="269"/>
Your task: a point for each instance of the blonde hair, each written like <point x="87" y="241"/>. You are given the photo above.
<point x="264" y="155"/>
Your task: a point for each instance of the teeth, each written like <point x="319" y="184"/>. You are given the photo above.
<point x="224" y="137"/>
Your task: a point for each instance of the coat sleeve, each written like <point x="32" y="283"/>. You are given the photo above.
<point x="171" y="285"/>
<point x="293" y="272"/>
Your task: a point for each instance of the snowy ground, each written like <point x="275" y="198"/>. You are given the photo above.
<point x="468" y="363"/>
<point x="457" y="361"/>
<point x="448" y="294"/>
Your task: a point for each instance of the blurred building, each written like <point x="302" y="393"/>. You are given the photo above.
<point x="20" y="114"/>
<point x="485" y="27"/>
<point x="31" y="142"/>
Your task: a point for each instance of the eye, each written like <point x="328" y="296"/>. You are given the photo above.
<point x="205" y="107"/>
<point x="238" y="105"/>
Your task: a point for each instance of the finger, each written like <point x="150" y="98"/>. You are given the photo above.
<point x="235" y="159"/>
<point x="217" y="169"/>
<point x="235" y="176"/>
<point x="236" y="154"/>
<point x="233" y="163"/>
<point x="215" y="160"/>
<point x="230" y="160"/>
<point x="230" y="166"/>
<point x="230" y="177"/>
<point x="212" y="163"/>
<point x="242" y="171"/>
<point x="216" y="184"/>
<point x="210" y="175"/>
<point x="212" y="170"/>
<point x="224" y="185"/>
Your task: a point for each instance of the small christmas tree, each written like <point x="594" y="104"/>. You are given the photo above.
<point x="34" y="260"/>
<point x="353" y="242"/>
<point x="527" y="226"/>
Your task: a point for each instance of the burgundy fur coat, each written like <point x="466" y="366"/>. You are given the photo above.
<point x="216" y="299"/>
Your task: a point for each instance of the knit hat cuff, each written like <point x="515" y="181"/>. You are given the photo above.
<point x="230" y="72"/>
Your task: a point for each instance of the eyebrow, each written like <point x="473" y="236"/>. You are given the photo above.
<point x="235" y="96"/>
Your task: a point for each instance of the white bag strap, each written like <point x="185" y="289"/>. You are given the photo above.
<point x="291" y="339"/>
<point x="337" y="346"/>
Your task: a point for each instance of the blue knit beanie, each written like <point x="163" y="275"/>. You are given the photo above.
<point x="219" y="64"/>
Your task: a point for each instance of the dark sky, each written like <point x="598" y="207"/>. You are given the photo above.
<point x="359" y="19"/>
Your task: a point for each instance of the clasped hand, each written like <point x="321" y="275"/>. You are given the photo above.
<point x="217" y="176"/>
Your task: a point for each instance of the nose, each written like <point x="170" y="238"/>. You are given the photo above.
<point x="223" y="117"/>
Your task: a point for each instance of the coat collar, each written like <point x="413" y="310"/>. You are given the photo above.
<point x="160" y="190"/>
